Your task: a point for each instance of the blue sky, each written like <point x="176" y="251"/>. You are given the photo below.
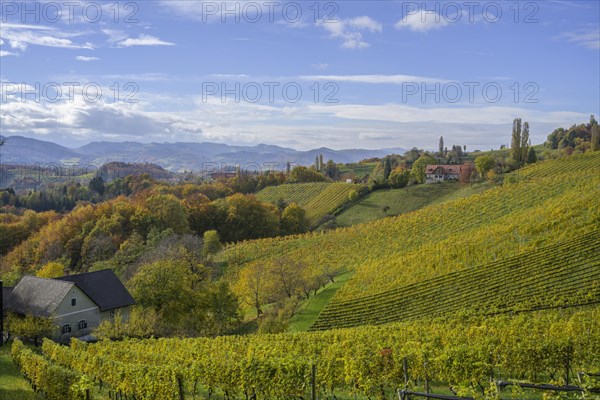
<point x="304" y="74"/>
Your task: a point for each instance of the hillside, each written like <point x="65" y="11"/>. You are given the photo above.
<point x="317" y="198"/>
<point x="549" y="203"/>
<point x="399" y="201"/>
<point x="563" y="275"/>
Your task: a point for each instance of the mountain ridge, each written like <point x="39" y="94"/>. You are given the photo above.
<point x="175" y="156"/>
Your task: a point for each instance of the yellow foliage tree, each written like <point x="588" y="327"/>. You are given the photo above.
<point x="51" y="270"/>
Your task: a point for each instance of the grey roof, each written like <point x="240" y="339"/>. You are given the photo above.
<point x="6" y="292"/>
<point x="103" y="287"/>
<point x="38" y="296"/>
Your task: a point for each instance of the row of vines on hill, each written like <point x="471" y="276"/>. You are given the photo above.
<point x="567" y="274"/>
<point x="465" y="353"/>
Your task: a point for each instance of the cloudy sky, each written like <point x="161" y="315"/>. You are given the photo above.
<point x="304" y="74"/>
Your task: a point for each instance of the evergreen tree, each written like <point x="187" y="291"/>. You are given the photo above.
<point x="441" y="146"/>
<point x="320" y="162"/>
<point x="532" y="156"/>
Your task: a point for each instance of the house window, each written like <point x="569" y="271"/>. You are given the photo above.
<point x="73" y="302"/>
<point x="66" y="328"/>
<point x="82" y="324"/>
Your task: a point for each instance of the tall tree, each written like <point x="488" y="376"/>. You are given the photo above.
<point x="387" y="168"/>
<point x="441" y="146"/>
<point x="525" y="143"/>
<point x="515" y="147"/>
<point x="595" y="137"/>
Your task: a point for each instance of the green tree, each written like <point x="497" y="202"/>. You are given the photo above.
<point x="387" y="168"/>
<point x="212" y="244"/>
<point x="294" y="220"/>
<point x="399" y="177"/>
<point x="223" y="312"/>
<point x="532" y="156"/>
<point x="353" y="195"/>
<point x="441" y="147"/>
<point x="174" y="291"/>
<point x="484" y="164"/>
<point x="418" y="169"/>
<point x="97" y="185"/>
<point x="331" y="170"/>
<point x="302" y="174"/>
<point x="515" y="147"/>
<point x="525" y="143"/>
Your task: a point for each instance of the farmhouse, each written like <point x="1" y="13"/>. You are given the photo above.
<point x="78" y="303"/>
<point x="439" y="173"/>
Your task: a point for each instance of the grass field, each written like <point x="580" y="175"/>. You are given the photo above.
<point x="399" y="201"/>
<point x="12" y="384"/>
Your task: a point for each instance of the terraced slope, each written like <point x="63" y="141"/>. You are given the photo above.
<point x="317" y="198"/>
<point x="567" y="274"/>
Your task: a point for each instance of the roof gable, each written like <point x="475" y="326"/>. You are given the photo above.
<point x="103" y="287"/>
<point x="38" y="296"/>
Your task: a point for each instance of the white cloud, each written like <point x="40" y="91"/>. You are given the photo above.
<point x="590" y="39"/>
<point x="86" y="59"/>
<point x="374" y="79"/>
<point x="421" y="21"/>
<point x="144" y="40"/>
<point x="4" y="53"/>
<point x="20" y="36"/>
<point x="350" y="30"/>
<point x="320" y="65"/>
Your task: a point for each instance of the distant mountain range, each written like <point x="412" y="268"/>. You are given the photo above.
<point x="175" y="157"/>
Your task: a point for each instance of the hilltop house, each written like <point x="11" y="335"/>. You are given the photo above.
<point x="78" y="303"/>
<point x="439" y="173"/>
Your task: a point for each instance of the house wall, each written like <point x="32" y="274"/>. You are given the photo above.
<point x="104" y="315"/>
<point x="84" y="310"/>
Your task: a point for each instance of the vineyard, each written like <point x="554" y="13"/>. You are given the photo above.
<point x="369" y="361"/>
<point x="317" y="198"/>
<point x="564" y="275"/>
<point x="559" y="204"/>
<point x="399" y="201"/>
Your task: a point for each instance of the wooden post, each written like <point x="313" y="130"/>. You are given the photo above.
<point x="405" y="368"/>
<point x="313" y="382"/>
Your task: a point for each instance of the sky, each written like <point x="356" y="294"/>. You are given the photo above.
<point x="300" y="74"/>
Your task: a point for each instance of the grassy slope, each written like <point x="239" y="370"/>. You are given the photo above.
<point x="12" y="384"/>
<point x="309" y="311"/>
<point x="400" y="201"/>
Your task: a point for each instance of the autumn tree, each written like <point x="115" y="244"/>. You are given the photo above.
<point x="223" y="310"/>
<point x="484" y="164"/>
<point x="51" y="270"/>
<point x="249" y="218"/>
<point x="254" y="287"/>
<point x="32" y="327"/>
<point x="418" y="168"/>
<point x="331" y="170"/>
